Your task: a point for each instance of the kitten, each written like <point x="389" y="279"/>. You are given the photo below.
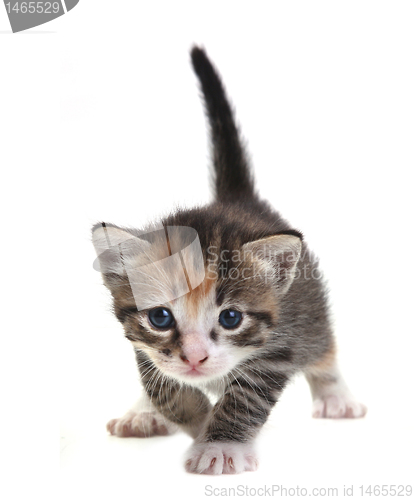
<point x="224" y="299"/>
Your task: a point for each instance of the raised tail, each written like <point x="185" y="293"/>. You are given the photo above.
<point x="233" y="180"/>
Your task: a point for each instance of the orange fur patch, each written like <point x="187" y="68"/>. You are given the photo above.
<point x="199" y="295"/>
<point x="326" y="363"/>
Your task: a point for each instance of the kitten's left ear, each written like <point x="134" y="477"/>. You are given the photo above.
<point x="280" y="255"/>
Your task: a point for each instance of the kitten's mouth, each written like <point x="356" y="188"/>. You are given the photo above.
<point x="194" y="372"/>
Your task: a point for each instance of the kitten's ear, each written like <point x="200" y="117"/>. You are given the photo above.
<point x="280" y="255"/>
<point x="116" y="248"/>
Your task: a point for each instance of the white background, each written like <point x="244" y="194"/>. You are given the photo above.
<point x="101" y="119"/>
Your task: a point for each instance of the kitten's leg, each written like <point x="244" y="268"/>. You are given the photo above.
<point x="184" y="406"/>
<point x="226" y="445"/>
<point x="331" y="396"/>
<point x="142" y="420"/>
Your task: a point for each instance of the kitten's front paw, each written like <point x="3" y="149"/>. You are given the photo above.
<point x="220" y="458"/>
<point x="141" y="424"/>
<point x="338" y="406"/>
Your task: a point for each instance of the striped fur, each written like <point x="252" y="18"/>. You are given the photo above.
<point x="254" y="262"/>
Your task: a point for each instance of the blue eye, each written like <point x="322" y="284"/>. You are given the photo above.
<point x="230" y="318"/>
<point x="161" y="317"/>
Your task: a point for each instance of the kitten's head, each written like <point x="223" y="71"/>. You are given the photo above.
<point x="197" y="303"/>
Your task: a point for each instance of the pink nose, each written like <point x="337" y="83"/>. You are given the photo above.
<point x="194" y="358"/>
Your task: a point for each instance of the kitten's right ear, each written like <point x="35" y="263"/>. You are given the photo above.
<point x="280" y="253"/>
<point x="116" y="248"/>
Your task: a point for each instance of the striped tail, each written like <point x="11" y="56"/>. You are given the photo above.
<point x="232" y="177"/>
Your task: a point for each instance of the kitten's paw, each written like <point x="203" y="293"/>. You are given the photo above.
<point x="141" y="424"/>
<point x="220" y="458"/>
<point x="338" y="406"/>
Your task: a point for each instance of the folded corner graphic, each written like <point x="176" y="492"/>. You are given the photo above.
<point x="70" y="4"/>
<point x="24" y="15"/>
<point x="160" y="265"/>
